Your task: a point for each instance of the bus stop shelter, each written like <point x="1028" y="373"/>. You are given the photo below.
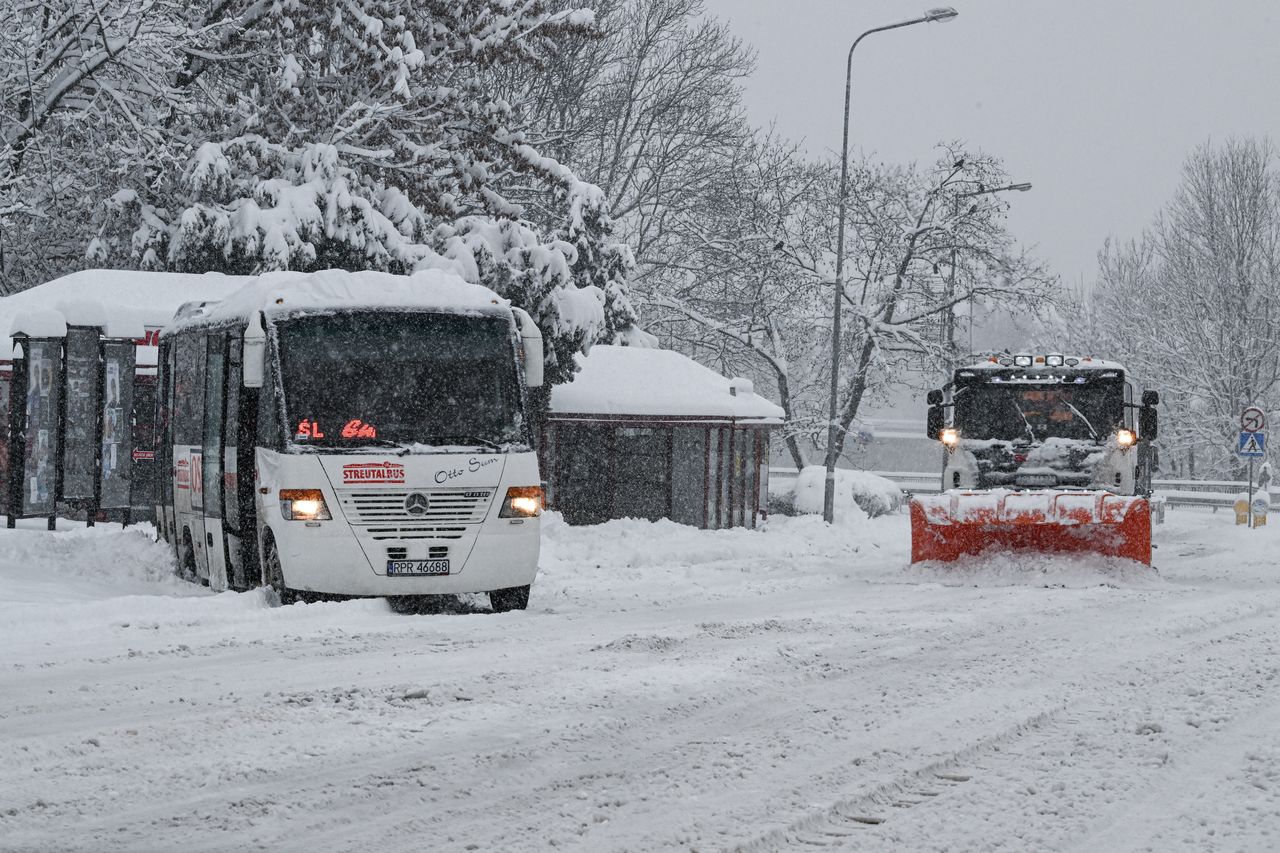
<point x="141" y="302"/>
<point x="650" y="433"/>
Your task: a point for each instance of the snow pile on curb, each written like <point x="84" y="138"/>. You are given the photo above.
<point x="664" y="561"/>
<point x="36" y="564"/>
<point x="859" y="494"/>
<point x="1070" y="571"/>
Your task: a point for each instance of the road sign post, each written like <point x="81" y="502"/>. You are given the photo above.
<point x="1252" y="444"/>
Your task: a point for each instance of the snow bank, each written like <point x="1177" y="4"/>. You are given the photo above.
<point x="657" y="563"/>
<point x="1072" y="571"/>
<point x="859" y="494"/>
<point x="83" y="564"/>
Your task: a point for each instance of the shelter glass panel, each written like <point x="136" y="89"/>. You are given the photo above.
<point x="641" y="480"/>
<point x="39" y="472"/>
<point x="80" y="435"/>
<point x="689" y="475"/>
<point x="724" y="462"/>
<point x="120" y="487"/>
<point x="585" y="472"/>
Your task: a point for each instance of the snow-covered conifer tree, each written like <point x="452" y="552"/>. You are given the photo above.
<point x="367" y="134"/>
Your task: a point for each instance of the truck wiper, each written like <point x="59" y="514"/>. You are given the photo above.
<point x="1092" y="432"/>
<point x="1031" y="432"/>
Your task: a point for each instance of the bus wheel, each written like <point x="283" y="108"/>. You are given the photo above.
<point x="273" y="574"/>
<point x="511" y="598"/>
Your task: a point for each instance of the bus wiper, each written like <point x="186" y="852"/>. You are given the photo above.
<point x="463" y="438"/>
<point x="378" y="442"/>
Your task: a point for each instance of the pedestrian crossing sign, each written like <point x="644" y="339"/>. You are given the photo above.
<point x="1252" y="445"/>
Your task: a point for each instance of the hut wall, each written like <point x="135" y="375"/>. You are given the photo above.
<point x="704" y="475"/>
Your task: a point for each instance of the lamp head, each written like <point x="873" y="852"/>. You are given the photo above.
<point x="940" y="13"/>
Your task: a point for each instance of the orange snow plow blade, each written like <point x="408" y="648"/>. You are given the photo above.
<point x="947" y="526"/>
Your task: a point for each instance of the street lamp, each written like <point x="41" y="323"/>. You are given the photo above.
<point x="949" y="319"/>
<point x="942" y="13"/>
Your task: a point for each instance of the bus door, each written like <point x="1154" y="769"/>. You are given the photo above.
<point x="214" y="550"/>
<point x="187" y="416"/>
<point x="233" y="526"/>
<point x="165" y="469"/>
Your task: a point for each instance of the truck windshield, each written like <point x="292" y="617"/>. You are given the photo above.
<point x="398" y="379"/>
<point x="1007" y="409"/>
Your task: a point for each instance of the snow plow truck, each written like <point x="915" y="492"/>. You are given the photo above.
<point x="1043" y="453"/>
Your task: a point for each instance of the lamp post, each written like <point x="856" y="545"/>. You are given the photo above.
<point x="949" y="319"/>
<point x="943" y="13"/>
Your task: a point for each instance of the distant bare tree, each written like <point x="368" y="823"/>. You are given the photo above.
<point x="1193" y="305"/>
<point x="646" y="112"/>
<point x="736" y="292"/>
<point x="752" y="280"/>
<point x="82" y="85"/>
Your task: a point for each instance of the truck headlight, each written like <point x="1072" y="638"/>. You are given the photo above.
<point x="950" y="436"/>
<point x="304" y="505"/>
<point x="1125" y="438"/>
<point x="522" y="502"/>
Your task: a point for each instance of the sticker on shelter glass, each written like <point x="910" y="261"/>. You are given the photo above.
<point x="83" y="377"/>
<point x="39" y="465"/>
<point x="117" y="424"/>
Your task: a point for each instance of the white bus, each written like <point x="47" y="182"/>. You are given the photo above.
<point x="358" y="434"/>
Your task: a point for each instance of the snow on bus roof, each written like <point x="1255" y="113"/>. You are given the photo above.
<point x="289" y="293"/>
<point x="127" y="301"/>
<point x="617" y="381"/>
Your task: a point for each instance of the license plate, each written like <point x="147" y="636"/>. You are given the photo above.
<point x="417" y="567"/>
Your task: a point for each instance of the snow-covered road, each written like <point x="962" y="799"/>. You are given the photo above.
<point x="668" y="689"/>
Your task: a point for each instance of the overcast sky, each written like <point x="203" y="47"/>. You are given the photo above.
<point x="1095" y="102"/>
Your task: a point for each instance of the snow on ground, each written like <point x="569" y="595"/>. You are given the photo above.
<point x="668" y="689"/>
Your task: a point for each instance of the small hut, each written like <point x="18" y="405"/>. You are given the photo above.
<point x="649" y="433"/>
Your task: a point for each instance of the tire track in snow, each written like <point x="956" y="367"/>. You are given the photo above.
<point x="851" y="816"/>
<point x="853" y="819"/>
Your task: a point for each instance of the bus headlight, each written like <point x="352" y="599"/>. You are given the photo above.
<point x="1125" y="438"/>
<point x="522" y="502"/>
<point x="949" y="436"/>
<point x="304" y="505"/>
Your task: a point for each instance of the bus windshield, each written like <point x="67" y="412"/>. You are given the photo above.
<point x="362" y="379"/>
<point x="1074" y="407"/>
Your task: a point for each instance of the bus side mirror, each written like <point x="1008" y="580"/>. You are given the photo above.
<point x="255" y="352"/>
<point x="1150" y="398"/>
<point x="531" y="345"/>
<point x="935" y="398"/>
<point x="933" y="425"/>
<point x="1148" y="419"/>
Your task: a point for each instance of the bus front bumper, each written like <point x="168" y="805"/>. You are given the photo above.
<point x="325" y="557"/>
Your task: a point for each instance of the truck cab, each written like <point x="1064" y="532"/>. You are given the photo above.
<point x="1048" y="421"/>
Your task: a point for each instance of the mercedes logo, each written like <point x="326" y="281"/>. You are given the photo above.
<point x="416" y="504"/>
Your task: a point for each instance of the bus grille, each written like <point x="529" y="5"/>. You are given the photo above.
<point x="392" y="508"/>
<point x="414" y="531"/>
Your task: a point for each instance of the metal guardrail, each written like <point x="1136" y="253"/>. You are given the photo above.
<point x="1193" y="493"/>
